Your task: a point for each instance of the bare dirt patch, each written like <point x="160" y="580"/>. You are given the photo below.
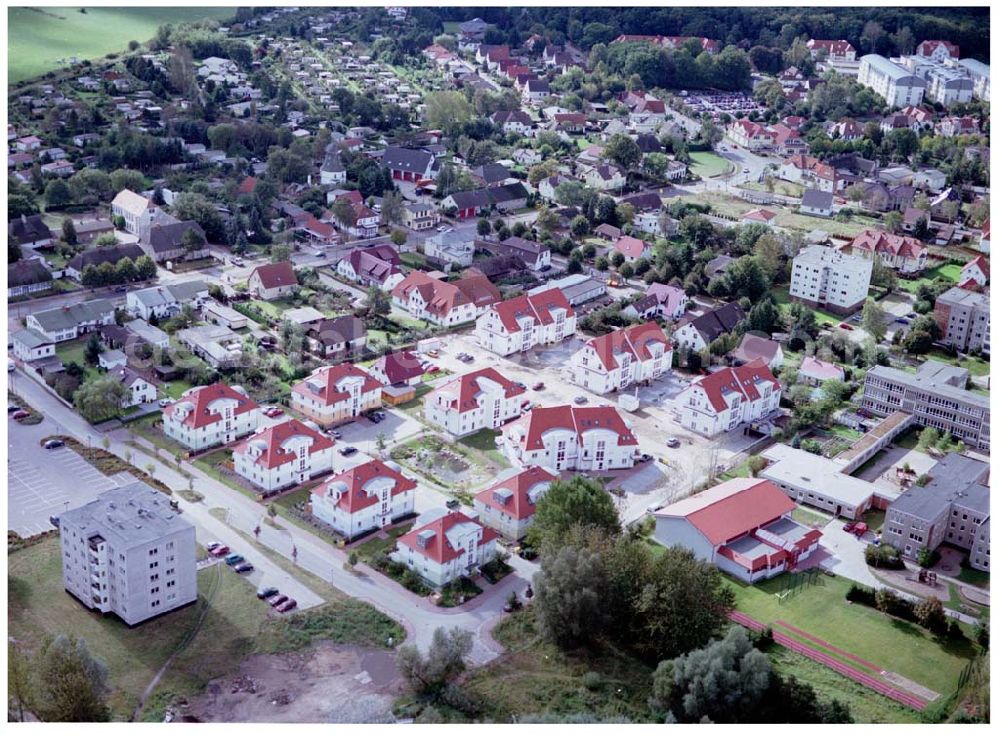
<point x="323" y="683"/>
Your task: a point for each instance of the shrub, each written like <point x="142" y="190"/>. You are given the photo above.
<point x="592" y="681"/>
<point x="863" y="595"/>
<point x="955" y="630"/>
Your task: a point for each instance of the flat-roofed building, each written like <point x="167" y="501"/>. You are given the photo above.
<point x="895" y="84"/>
<point x="826" y="278"/>
<point x="964" y="319"/>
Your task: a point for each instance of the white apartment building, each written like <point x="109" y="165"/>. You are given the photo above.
<point x="581" y="438"/>
<point x="518" y="324"/>
<point x="444" y="546"/>
<point x="964" y="319"/>
<point x="283" y="455"/>
<point x="129" y="553"/>
<point x="729" y="398"/>
<point x="898" y="86"/>
<point x="336" y="395"/>
<point x="210" y="415"/>
<point x="135" y="209"/>
<point x="980" y="75"/>
<point x="827" y="278"/>
<point x="483" y="399"/>
<point x="614" y="361"/>
<point x="372" y="495"/>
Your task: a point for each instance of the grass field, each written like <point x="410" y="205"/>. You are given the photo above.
<point x="892" y="644"/>
<point x="37" y="37"/>
<point x="706" y="164"/>
<point x="235" y="625"/>
<point x="950" y="272"/>
<point x="780" y="294"/>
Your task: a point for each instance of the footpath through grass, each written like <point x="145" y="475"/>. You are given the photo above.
<point x="894" y="645"/>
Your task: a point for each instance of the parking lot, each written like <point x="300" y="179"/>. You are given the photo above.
<point x="45" y="482"/>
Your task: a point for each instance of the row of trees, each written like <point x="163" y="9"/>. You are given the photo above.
<point x="125" y="270"/>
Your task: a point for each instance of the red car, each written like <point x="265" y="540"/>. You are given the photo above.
<point x="848" y="327"/>
<point x="219" y="550"/>
<point x="278" y="600"/>
<point x="287" y="605"/>
<point x="20" y="414"/>
<point x="273" y="412"/>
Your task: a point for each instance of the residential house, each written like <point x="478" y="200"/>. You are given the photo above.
<point x="337" y="338"/>
<point x="138" y="390"/>
<point x="375" y="266"/>
<point x="273" y="281"/>
<point x="534" y="255"/>
<point x="135" y="209"/>
<point x="364" y="498"/>
<point x="444" y="303"/>
<point x="31" y="345"/>
<point x="520" y="323"/>
<point x="508" y="506"/>
<point x="812" y="172"/>
<point x="753" y="347"/>
<point x="827" y="278"/>
<point x="466" y="204"/>
<point x="840" y="50"/>
<point x="579" y="438"/>
<point x="96" y="256"/>
<point x="895" y="84"/>
<point x="513" y="121"/>
<point x="631" y="355"/>
<point x="163" y="302"/>
<point x="70" y="321"/>
<point x="977" y="270"/>
<point x="605" y="177"/>
<point x="659" y="302"/>
<point x="750" y="135"/>
<point x="963" y="318"/>
<point x="30" y="230"/>
<point x="901" y="253"/>
<point x="282" y="455"/>
<point x="744" y="526"/>
<point x="409" y="164"/>
<point x="164" y="239"/>
<point x="27" y="276"/>
<point x="336" y="394"/>
<point x="210" y="415"/>
<point x="817" y="203"/>
<point x="815" y="372"/>
<point x="698" y="332"/>
<point x="421" y="216"/>
<point x="398" y="368"/>
<point x="451" y="247"/>
<point x="633" y="248"/>
<point x="759" y="217"/>
<point x="465" y="404"/>
<point x="939" y="51"/>
<point x="729" y="398"/>
<point x="445" y="546"/>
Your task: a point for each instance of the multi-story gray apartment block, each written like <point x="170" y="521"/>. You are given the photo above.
<point x="826" y="278"/>
<point x="964" y="319"/>
<point x="129" y="553"/>
<point x="953" y="507"/>
<point x="936" y="396"/>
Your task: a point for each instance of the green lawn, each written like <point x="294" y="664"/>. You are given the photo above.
<point x="175" y="388"/>
<point x="810" y="517"/>
<point x="235" y="625"/>
<point x="950" y="272"/>
<point x="974" y="577"/>
<point x="822" y="610"/>
<point x="845" y="432"/>
<point x="37" y="37"/>
<point x="781" y="298"/>
<point x="375" y="545"/>
<point x="484" y="442"/>
<point x="144" y="427"/>
<point x="210" y="464"/>
<point x="707" y="164"/>
<point x="72" y="351"/>
<point x="976" y="366"/>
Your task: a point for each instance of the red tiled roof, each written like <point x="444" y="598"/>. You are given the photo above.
<point x="247" y="185"/>
<point x="201" y="400"/>
<point x="880" y="241"/>
<point x="519" y="505"/>
<point x="732" y="509"/>
<point x="463" y="391"/>
<point x="631" y="247"/>
<point x="578" y="419"/>
<point x="634" y="340"/>
<point x="399" y="367"/>
<point x="820" y="369"/>
<point x="439" y="549"/>
<point x="926" y="48"/>
<point x="760" y="215"/>
<point x="441" y="296"/>
<point x="351" y="485"/>
<point x="740" y="380"/>
<point x="538" y="306"/>
<point x="834" y="48"/>
<point x="274" y="438"/>
<point x="327" y="380"/>
<point x="979" y="262"/>
<point x="273" y="275"/>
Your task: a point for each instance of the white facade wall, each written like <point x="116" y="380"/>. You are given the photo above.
<point x="387" y="510"/>
<point x="589" y="372"/>
<point x="493" y="336"/>
<point x="304" y="467"/>
<point x="494" y="410"/>
<point x="595" y="450"/>
<point x="699" y="415"/>
<point x="229" y="428"/>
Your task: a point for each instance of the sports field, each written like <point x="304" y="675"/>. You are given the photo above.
<point x="39" y="37"/>
<point x="707" y="164"/>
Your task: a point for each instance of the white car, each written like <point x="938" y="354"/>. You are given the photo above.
<point x="164" y="402"/>
<point x="10" y="365"/>
<point x="442" y="228"/>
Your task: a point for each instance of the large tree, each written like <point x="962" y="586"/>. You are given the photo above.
<point x="624" y="151"/>
<point x="428" y="674"/>
<point x="570" y="595"/>
<point x="72" y="682"/>
<point x="874" y="320"/>
<point x="100" y="399"/>
<point x="579" y="501"/>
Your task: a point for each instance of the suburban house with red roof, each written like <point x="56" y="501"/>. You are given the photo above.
<point x="508" y="506"/>
<point x="633" y="248"/>
<point x="760" y="216"/>
<point x="581" y="438"/>
<point x="728" y="398"/>
<point x="336" y="394"/>
<point x="377" y="266"/>
<point x="815" y="372"/>
<point x="743" y="526"/>
<point x="520" y="323"/>
<point x="272" y="281"/>
<point x="808" y="170"/>
<point x="442" y="302"/>
<point x="832" y="50"/>
<point x="637" y="354"/>
<point x="370" y="496"/>
<point x="444" y="546"/>
<point x="210" y="415"/>
<point x="281" y="455"/>
<point x="977" y="269"/>
<point x="399" y="368"/>
<point x="750" y="135"/>
<point x="482" y="399"/>
<point x="939" y="51"/>
<point x="899" y="252"/>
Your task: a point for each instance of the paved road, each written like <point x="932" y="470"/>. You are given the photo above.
<point x="417" y="615"/>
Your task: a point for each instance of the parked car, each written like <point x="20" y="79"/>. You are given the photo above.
<point x="54" y="520"/>
<point x="212" y="546"/>
<point x="234" y="559"/>
<point x="277" y="600"/>
<point x="452" y="504"/>
<point x="11" y="366"/>
<point x="580" y="400"/>
<point x="273" y="412"/>
<point x="645" y="457"/>
<point x="287" y="605"/>
<point x="54" y="444"/>
<point x="243" y="567"/>
<point x="673" y="442"/>
<point x="849" y="526"/>
<point x="519" y="384"/>
<point x="121" y="289"/>
<point x="266" y="592"/>
<point x="164" y="402"/>
<point x="333" y="433"/>
<point x="347" y="451"/>
<point x="20" y="414"/>
<point x="220" y="550"/>
<point x="538" y="386"/>
<point x="848" y="327"/>
<point x="12" y="407"/>
<point x="320" y="254"/>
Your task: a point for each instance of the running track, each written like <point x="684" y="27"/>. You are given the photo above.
<point x="910" y="700"/>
